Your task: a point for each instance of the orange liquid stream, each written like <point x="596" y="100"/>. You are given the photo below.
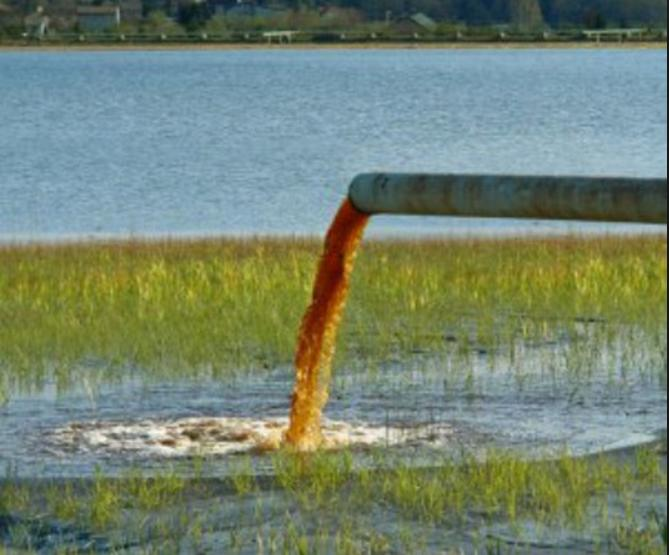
<point x="318" y="332"/>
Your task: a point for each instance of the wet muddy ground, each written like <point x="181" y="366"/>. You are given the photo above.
<point x="229" y="524"/>
<point x="416" y="413"/>
<point x="423" y="408"/>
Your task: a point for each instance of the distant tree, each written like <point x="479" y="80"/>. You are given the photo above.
<point x="217" y="26"/>
<point x="62" y="8"/>
<point x="303" y="19"/>
<point x="127" y="28"/>
<point x="437" y="9"/>
<point x="499" y="10"/>
<point x="594" y="13"/>
<point x="526" y="14"/>
<point x="548" y="11"/>
<point x="474" y="12"/>
<point x="158" y="23"/>
<point x="338" y="18"/>
<point x="522" y="13"/>
<point x="155" y="6"/>
<point x="23" y="7"/>
<point x="297" y="5"/>
<point x="377" y="10"/>
<point x="11" y="22"/>
<point x="566" y="13"/>
<point x="593" y="18"/>
<point x="643" y="12"/>
<point x="193" y="15"/>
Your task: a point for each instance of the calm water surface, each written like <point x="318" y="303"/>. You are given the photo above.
<point x="246" y="142"/>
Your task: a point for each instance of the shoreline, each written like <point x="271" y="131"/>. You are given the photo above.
<point x="125" y="47"/>
<point x="150" y="241"/>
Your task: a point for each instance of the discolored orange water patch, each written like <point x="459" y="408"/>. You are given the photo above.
<point x="318" y="332"/>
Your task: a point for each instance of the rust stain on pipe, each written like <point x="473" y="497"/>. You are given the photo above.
<point x="509" y="196"/>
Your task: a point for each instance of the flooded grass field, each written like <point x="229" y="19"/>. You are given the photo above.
<point x="488" y="396"/>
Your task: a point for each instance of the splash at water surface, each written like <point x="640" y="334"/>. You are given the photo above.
<point x="221" y="436"/>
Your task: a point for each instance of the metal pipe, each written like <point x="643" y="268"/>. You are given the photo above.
<point x="506" y="196"/>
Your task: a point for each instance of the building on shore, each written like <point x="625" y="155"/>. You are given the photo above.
<point x="340" y="17"/>
<point x="418" y="23"/>
<point x="9" y="17"/>
<point x="249" y="9"/>
<point x="95" y="19"/>
<point x="131" y="11"/>
<point x="37" y="24"/>
<point x="5" y="11"/>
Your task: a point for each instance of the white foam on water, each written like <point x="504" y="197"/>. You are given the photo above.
<point x="224" y="436"/>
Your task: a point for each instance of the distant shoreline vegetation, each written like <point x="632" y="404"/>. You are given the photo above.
<point x="65" y="22"/>
<point x="483" y="37"/>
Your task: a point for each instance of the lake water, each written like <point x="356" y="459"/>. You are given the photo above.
<point x="256" y="142"/>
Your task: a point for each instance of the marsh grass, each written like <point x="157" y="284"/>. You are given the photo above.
<point x="324" y="503"/>
<point x="558" y="491"/>
<point x="84" y="314"/>
<point x="97" y="312"/>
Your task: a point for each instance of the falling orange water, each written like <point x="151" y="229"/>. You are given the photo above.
<point x="318" y="332"/>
